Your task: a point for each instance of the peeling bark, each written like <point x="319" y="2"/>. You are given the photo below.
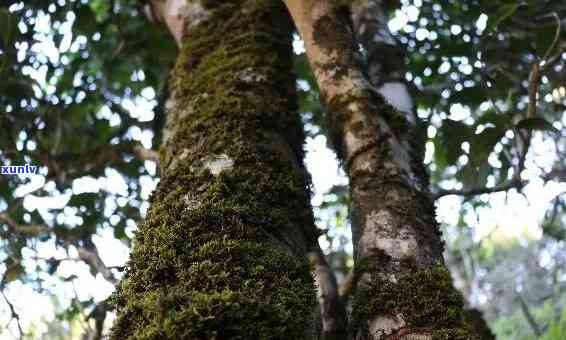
<point x="222" y="254"/>
<point x="403" y="288"/>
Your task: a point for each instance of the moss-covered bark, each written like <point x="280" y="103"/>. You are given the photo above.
<point x="386" y="70"/>
<point x="222" y="252"/>
<point x="403" y="289"/>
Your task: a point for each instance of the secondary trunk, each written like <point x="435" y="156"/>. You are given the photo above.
<point x="384" y="62"/>
<point x="383" y="57"/>
<point x="403" y="291"/>
<point x="222" y="253"/>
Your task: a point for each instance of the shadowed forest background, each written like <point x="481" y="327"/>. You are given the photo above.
<point x="82" y="89"/>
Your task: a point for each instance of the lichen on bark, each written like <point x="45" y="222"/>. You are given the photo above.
<point x="392" y="215"/>
<point x="221" y="254"/>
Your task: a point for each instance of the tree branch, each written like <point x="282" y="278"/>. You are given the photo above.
<point x="359" y="115"/>
<point x="175" y="14"/>
<point x="347" y="287"/>
<point x="332" y="310"/>
<point x="85" y="163"/>
<point x="15" y="315"/>
<point x="89" y="254"/>
<point x="146" y="154"/>
<point x="27" y="229"/>
<point x="530" y="319"/>
<point x="513" y="184"/>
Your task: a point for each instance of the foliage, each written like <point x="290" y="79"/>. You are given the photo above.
<point x="75" y="78"/>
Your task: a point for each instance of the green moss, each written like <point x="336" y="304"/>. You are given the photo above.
<point x="370" y="264"/>
<point x="229" y="299"/>
<point x="426" y="298"/>
<point x="475" y="319"/>
<point x="231" y="264"/>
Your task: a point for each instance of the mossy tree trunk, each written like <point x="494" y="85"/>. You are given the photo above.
<point x="385" y="64"/>
<point x="404" y="290"/>
<point x="222" y="253"/>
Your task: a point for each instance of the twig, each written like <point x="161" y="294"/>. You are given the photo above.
<point x="539" y="67"/>
<point x="99" y="316"/>
<point x="89" y="254"/>
<point x="554" y="41"/>
<point x="347" y="286"/>
<point x="514" y="183"/>
<point x="81" y="310"/>
<point x="14" y="315"/>
<point x="530" y="319"/>
<point x="534" y="83"/>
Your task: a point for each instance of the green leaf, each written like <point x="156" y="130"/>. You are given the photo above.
<point x="451" y="135"/>
<point x="86" y="199"/>
<point x="502" y="13"/>
<point x="13" y="271"/>
<point x="52" y="265"/>
<point x="537" y="124"/>
<point x="101" y="9"/>
<point x="483" y="144"/>
<point x="8" y="31"/>
<point x="70" y="278"/>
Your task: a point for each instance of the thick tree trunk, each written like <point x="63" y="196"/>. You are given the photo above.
<point x="222" y="254"/>
<point x="403" y="291"/>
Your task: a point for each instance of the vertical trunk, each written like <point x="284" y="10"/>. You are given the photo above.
<point x="384" y="62"/>
<point x="222" y="253"/>
<point x="332" y="309"/>
<point x="384" y="59"/>
<point x="403" y="291"/>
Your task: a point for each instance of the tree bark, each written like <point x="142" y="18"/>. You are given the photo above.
<point x="222" y="253"/>
<point x="383" y="57"/>
<point x="384" y="62"/>
<point x="404" y="290"/>
<point x="331" y="306"/>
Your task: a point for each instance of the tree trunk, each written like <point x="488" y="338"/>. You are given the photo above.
<point x="403" y="291"/>
<point x="383" y="57"/>
<point x="384" y="62"/>
<point x="222" y="253"/>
